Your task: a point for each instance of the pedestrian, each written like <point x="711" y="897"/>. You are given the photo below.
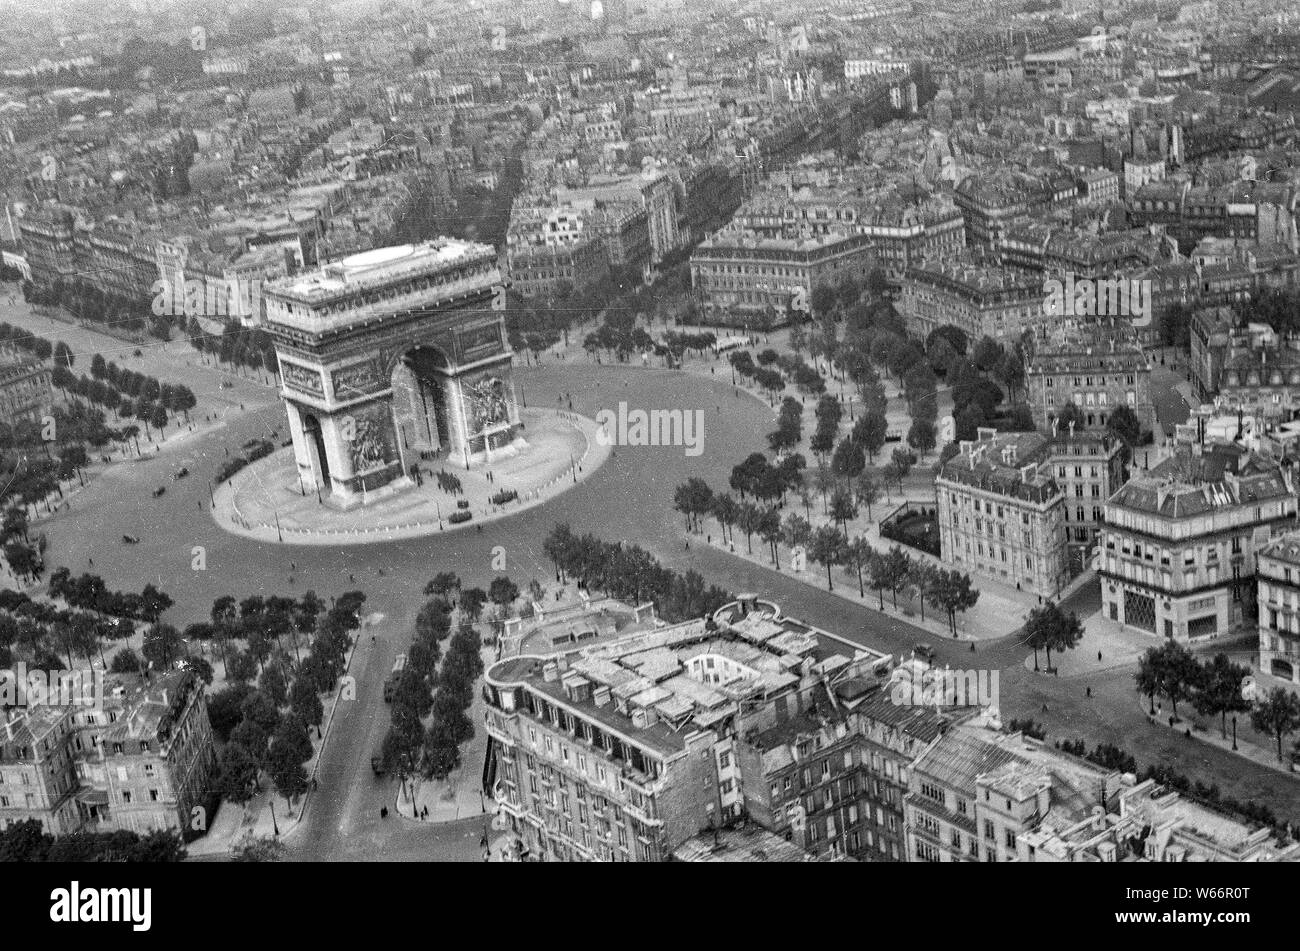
<point x="1044" y="708"/>
<point x="383" y="812"/>
<point x="314" y="784"/>
<point x="91" y="560"/>
<point x="1089" y="691"/>
<point x="1099" y="655"/>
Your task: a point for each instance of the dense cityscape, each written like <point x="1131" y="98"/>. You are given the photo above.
<point x="650" y="431"/>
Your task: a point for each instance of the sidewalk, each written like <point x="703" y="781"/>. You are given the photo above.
<point x="265" y="500"/>
<point x="1118" y="646"/>
<point x="1247" y="746"/>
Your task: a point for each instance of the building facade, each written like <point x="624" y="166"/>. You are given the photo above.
<point x="1095" y="369"/>
<point x="1002" y="514"/>
<point x="1180" y="541"/>
<point x="1277" y="567"/>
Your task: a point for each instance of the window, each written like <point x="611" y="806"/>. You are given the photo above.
<point x="1010" y="839"/>
<point x="988" y="827"/>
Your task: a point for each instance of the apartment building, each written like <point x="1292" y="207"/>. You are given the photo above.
<point x="1088" y="467"/>
<point x="740" y="277"/>
<point x="1181" y="540"/>
<point x="980" y="795"/>
<point x="25" y="390"/>
<point x="141" y="761"/>
<point x="154" y="759"/>
<point x="983" y="300"/>
<point x="1097" y="369"/>
<point x="1277" y="569"/>
<point x="38" y="776"/>
<point x="990" y="201"/>
<point x="1002" y="513"/>
<point x="630" y="745"/>
<point x="1180" y="829"/>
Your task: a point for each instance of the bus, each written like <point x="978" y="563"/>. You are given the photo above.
<point x="391" y="683"/>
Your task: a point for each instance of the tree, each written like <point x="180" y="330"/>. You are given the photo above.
<point x="1051" y="628"/>
<point x="869" y="432"/>
<point x="442" y="585"/>
<point x="1123" y="424"/>
<point x="843" y="510"/>
<point x="441" y="751"/>
<point x="827" y="548"/>
<point x="1219" y="690"/>
<point x="162" y="645"/>
<point x="868" y="491"/>
<point x="848" y="461"/>
<point x="472" y="601"/>
<point x="1277" y="715"/>
<point x="25" y="841"/>
<point x="859" y="555"/>
<point x="748" y="518"/>
<point x="1180" y="674"/>
<point x="503" y="592"/>
<point x="797" y="531"/>
<point x="305" y="703"/>
<point x="922" y="436"/>
<point x="693" y="498"/>
<point x="1148" y="676"/>
<point x="432" y="623"/>
<point x="725" y="511"/>
<point x="769" y="529"/>
<point x="236" y="774"/>
<point x="265" y="849"/>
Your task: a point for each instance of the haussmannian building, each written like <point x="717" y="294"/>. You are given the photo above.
<point x="1096" y="370"/>
<point x="1277" y="570"/>
<point x="1002" y="513"/>
<point x="1180" y="541"/>
<point x="627" y="745"/>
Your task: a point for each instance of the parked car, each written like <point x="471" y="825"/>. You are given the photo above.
<point x="159" y="491"/>
<point x="182" y="472"/>
<point x="377" y="765"/>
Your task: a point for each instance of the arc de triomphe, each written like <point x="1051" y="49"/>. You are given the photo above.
<point x="390" y="356"/>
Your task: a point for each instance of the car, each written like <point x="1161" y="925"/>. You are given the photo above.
<point x="130" y="540"/>
<point x="924" y="651"/>
<point x="159" y="491"/>
<point x="181" y="473"/>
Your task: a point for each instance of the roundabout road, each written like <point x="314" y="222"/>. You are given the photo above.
<point x="629" y="499"/>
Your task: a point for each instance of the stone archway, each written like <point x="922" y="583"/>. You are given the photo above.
<point x="419" y="381"/>
<point x="320" y="462"/>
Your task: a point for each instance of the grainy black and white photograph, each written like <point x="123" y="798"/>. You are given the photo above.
<point x="650" y="431"/>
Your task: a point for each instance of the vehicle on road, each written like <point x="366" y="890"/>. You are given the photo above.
<point x="159" y="491"/>
<point x="181" y="473"/>
<point x="924" y="651"/>
<point x="130" y="540"/>
<point x="390" y="683"/>
<point x="377" y="765"/>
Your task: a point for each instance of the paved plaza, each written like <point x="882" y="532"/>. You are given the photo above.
<point x="266" y="500"/>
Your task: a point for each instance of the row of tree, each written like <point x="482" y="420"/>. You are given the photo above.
<point x="1215" y="688"/>
<point x="630" y="573"/>
<point x="264" y="728"/>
